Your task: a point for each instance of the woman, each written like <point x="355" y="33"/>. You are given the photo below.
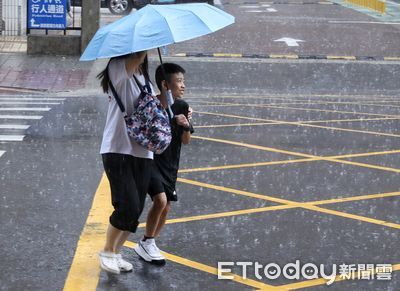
<point x="126" y="163"/>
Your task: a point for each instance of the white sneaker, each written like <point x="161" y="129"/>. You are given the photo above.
<point x="149" y="251"/>
<point x="123" y="265"/>
<point x="108" y="262"/>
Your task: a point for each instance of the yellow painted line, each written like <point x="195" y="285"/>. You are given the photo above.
<point x="268" y="208"/>
<point x="289" y="96"/>
<point x="230" y="115"/>
<point x="300" y="122"/>
<point x="239" y="166"/>
<point x="211" y="270"/>
<point x="391" y="58"/>
<point x="180" y="55"/>
<point x="257" y="147"/>
<point x="349" y="130"/>
<point x="351" y="216"/>
<point x="85" y="271"/>
<point x="341" y="57"/>
<point x="354" y="198"/>
<point x="350" y="120"/>
<point x="296" y="123"/>
<point x="302" y="109"/>
<point x="227" y="55"/>
<point x="365" y="154"/>
<point x="335" y="160"/>
<point x="226" y="214"/>
<point x="305" y="205"/>
<point x="232" y="125"/>
<point x="238" y="192"/>
<point x="281" y="162"/>
<point x="273" y="56"/>
<point x="321" y="281"/>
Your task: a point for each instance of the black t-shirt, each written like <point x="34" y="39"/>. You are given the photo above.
<point x="167" y="164"/>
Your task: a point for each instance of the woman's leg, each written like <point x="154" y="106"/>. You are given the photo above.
<point x="120" y="241"/>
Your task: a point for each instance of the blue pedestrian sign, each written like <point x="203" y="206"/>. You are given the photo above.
<point x="47" y="14"/>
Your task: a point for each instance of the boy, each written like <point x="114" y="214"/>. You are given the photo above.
<point x="166" y="165"/>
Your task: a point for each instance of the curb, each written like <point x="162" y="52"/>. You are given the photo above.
<point x="288" y="56"/>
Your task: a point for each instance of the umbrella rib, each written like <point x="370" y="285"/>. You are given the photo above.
<point x="169" y="26"/>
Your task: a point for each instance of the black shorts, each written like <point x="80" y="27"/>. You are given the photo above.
<point x="129" y="178"/>
<point x="159" y="185"/>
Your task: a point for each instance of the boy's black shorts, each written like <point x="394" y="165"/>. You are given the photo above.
<point x="158" y="185"/>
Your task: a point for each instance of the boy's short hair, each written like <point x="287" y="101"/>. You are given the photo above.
<point x="170" y="69"/>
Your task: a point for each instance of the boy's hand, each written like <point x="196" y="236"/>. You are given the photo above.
<point x="182" y="121"/>
<point x="190" y="111"/>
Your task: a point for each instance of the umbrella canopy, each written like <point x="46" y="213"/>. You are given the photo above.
<point x="154" y="26"/>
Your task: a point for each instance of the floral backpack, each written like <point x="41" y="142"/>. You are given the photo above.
<point x="149" y="124"/>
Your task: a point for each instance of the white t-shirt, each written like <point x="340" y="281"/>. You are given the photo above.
<point x="115" y="136"/>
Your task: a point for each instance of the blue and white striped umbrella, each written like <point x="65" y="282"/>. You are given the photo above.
<point x="155" y="26"/>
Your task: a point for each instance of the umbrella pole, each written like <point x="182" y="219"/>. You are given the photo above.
<point x="170" y="99"/>
<point x="162" y="68"/>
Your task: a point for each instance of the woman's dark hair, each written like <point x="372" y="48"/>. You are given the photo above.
<point x="104" y="77"/>
<point x="169" y="69"/>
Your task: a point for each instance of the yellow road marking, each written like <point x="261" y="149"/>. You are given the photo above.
<point x="281" y="162"/>
<point x="238" y="192"/>
<point x="270" y="208"/>
<point x="283" y="56"/>
<point x="299" y="97"/>
<point x="239" y="166"/>
<point x="301" y="109"/>
<point x="227" y="55"/>
<point x="257" y="147"/>
<point x="296" y="123"/>
<point x="305" y="205"/>
<point x="354" y="198"/>
<point x="340" y="57"/>
<point x="84" y="272"/>
<point x="301" y="121"/>
<point x="352" y="216"/>
<point x="391" y="58"/>
<point x="335" y="160"/>
<point x="225" y="214"/>
<point x="211" y="270"/>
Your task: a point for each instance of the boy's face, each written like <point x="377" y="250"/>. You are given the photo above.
<point x="177" y="85"/>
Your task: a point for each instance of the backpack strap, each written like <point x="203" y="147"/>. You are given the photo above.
<point x="146" y="88"/>
<point x="116" y="97"/>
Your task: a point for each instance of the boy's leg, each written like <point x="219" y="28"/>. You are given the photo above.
<point x="155" y="214"/>
<point x="163" y="218"/>
<point x="147" y="248"/>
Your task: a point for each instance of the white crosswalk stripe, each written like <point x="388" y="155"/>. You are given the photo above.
<point x="2" y="153"/>
<point x="11" y="137"/>
<point x="14" y="126"/>
<point x="35" y="117"/>
<point x="16" y="112"/>
<point x="25" y="109"/>
<point x="27" y="103"/>
<point x="31" y="99"/>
